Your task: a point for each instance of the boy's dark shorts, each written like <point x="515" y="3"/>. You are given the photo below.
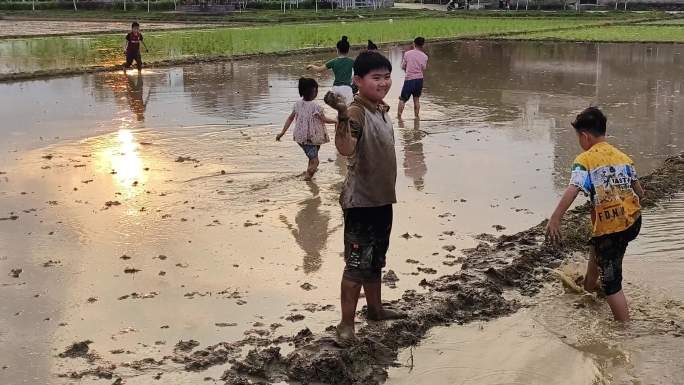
<point x="610" y="249"/>
<point x="366" y="240"/>
<point x="131" y="56"/>
<point x="311" y="150"/>
<point x="413" y="88"/>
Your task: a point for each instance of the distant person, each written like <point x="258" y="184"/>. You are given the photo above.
<point x="414" y="63"/>
<point x="608" y="177"/>
<point x="132" y="47"/>
<point x="365" y="134"/>
<point x="309" y="132"/>
<point x="342" y="68"/>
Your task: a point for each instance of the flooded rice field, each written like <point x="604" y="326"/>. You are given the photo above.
<point x="140" y="211"/>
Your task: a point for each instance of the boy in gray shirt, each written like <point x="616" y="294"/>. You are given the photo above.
<point x="365" y="135"/>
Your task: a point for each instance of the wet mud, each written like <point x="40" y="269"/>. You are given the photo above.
<point x="498" y="266"/>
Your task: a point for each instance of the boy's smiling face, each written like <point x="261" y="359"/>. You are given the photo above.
<point x="375" y="85"/>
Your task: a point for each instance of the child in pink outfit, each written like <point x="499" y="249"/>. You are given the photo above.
<point x="309" y="132"/>
<point x="414" y="63"/>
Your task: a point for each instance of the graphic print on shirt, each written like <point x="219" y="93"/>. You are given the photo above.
<point x="606" y="175"/>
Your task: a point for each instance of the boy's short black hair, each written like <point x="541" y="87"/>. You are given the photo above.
<point x="371" y="46"/>
<point x="307" y="88"/>
<point x="591" y="120"/>
<point x="135" y="24"/>
<point x="343" y="45"/>
<point x="368" y="61"/>
<point x="419" y="41"/>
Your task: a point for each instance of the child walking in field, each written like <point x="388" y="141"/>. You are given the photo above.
<point x="342" y="67"/>
<point x="414" y="63"/>
<point x="309" y="132"/>
<point x="132" y="47"/>
<point x="608" y="177"/>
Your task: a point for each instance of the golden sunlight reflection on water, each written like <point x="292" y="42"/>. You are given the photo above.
<point x="120" y="155"/>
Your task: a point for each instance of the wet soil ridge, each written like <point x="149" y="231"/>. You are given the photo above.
<point x="517" y="262"/>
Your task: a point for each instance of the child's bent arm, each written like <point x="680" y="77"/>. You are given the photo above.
<point x="636" y="186"/>
<point x="553" y="227"/>
<point x="344" y="141"/>
<point x="326" y="119"/>
<point x="316" y="68"/>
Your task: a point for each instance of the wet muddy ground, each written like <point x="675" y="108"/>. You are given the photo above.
<point x="14" y="28"/>
<point x="142" y="211"/>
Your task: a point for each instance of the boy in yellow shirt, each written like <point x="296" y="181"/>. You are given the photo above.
<point x="608" y="177"/>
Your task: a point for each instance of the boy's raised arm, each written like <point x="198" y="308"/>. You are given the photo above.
<point x="553" y="227"/>
<point x="344" y="140"/>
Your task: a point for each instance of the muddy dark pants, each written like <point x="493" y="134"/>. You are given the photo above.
<point x="366" y="240"/>
<point x="130" y="57"/>
<point x="610" y="249"/>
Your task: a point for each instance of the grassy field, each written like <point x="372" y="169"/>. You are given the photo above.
<point x="622" y="33"/>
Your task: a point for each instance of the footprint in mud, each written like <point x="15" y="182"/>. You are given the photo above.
<point x="225" y="324"/>
<point x="14" y="273"/>
<point x="427" y="270"/>
<point x="76" y="350"/>
<point x="307" y="286"/>
<point x="295" y="318"/>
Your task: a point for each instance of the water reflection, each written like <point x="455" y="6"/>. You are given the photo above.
<point x="311" y="230"/>
<point x="134" y="93"/>
<point x="414" y="157"/>
<point x="119" y="154"/>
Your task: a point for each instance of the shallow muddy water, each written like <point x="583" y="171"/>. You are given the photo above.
<point x="176" y="173"/>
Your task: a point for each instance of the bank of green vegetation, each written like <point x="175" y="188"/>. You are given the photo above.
<point x="618" y="33"/>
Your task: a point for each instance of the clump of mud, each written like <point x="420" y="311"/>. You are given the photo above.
<point x="76" y="350"/>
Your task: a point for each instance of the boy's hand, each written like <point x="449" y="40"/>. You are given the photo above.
<point x="553" y="232"/>
<point x="335" y="101"/>
<point x="278" y="137"/>
<point x="310" y="67"/>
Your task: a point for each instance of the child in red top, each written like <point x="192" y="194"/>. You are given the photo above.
<point x="132" y="47"/>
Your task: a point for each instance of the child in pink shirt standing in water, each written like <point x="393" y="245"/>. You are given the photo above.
<point x="414" y="63"/>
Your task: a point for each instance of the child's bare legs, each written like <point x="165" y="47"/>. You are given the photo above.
<point x="617" y="301"/>
<point x="400" y="109"/>
<point x="618" y="305"/>
<point x="312" y="168"/>
<point x="416" y="106"/>
<point x="350" y="292"/>
<point x="592" y="275"/>
<point x="376" y="311"/>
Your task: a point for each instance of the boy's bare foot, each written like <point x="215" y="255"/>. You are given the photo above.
<point x="385" y="313"/>
<point x="335" y="101"/>
<point x="345" y="335"/>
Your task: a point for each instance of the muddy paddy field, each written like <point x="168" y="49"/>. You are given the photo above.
<point x="153" y="231"/>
